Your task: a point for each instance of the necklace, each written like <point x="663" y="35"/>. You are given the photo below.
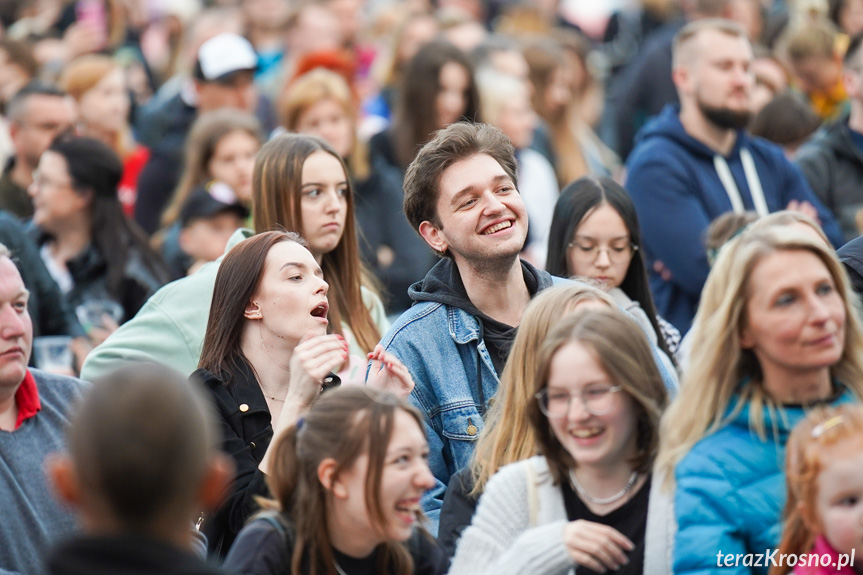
<point x="605" y="500"/>
<point x="339" y="568"/>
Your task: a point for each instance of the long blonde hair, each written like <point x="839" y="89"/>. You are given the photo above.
<point x="508" y="436"/>
<point x="718" y="364"/>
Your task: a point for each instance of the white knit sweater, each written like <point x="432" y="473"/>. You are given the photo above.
<point x="511" y="535"/>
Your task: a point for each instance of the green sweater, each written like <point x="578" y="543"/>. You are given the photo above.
<point x="169" y="328"/>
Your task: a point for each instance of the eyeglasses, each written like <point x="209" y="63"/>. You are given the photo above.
<point x="616" y="254"/>
<point x="40" y="181"/>
<point x="597" y="400"/>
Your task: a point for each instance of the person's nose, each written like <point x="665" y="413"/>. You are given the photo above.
<point x="424" y="478"/>
<point x="11" y="323"/>
<point x="334" y="204"/>
<point x="577" y="409"/>
<point x="493" y="205"/>
<point x="602" y="259"/>
<point x="323" y="287"/>
<point x="818" y="310"/>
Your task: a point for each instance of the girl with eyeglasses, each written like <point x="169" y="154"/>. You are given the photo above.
<point x="594" y="234"/>
<point x="588" y="502"/>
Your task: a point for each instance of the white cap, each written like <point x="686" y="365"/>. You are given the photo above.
<point x="224" y="54"/>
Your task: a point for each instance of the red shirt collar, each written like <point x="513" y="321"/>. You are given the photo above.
<point x="27" y="399"/>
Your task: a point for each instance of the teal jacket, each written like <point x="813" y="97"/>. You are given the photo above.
<point x="730" y="491"/>
<point x="169" y="328"/>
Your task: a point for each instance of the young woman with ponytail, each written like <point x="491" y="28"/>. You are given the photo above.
<point x="347" y="481"/>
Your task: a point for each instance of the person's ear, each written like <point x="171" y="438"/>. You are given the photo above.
<point x="217" y="480"/>
<point x="253" y="311"/>
<point x="327" y="477"/>
<point x="747" y="341"/>
<point x="433" y="236"/>
<point x="62" y="477"/>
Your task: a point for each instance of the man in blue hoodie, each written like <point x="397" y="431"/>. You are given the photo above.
<point x="693" y="163"/>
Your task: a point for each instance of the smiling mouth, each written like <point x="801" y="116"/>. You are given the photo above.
<point x="497" y="227"/>
<point x="586" y="432"/>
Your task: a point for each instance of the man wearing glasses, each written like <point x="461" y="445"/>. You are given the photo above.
<point x="37" y="114"/>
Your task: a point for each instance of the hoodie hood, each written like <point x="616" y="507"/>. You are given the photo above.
<point x="667" y="125"/>
<point x="443" y="284"/>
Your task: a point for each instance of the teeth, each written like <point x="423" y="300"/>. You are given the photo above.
<point x="497" y="228"/>
<point x="586" y="433"/>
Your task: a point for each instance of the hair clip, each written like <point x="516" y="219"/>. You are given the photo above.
<point x="819" y="429"/>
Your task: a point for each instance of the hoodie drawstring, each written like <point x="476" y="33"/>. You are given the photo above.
<point x="479" y="370"/>
<point x="752" y="180"/>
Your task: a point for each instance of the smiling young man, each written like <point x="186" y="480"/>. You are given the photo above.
<point x="694" y="162"/>
<point x="33" y="416"/>
<point x="461" y="196"/>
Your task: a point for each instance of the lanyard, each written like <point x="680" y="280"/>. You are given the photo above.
<point x="752" y="180"/>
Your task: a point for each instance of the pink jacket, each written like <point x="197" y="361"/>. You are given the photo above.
<point x="821" y="548"/>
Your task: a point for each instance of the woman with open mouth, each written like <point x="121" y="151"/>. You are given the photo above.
<point x="347" y="481"/>
<point x="587" y="503"/>
<point x="267" y="356"/>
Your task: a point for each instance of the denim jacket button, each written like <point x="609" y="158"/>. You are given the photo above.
<point x="471" y="428"/>
<point x="491" y="402"/>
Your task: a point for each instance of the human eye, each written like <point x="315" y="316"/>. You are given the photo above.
<point x="597" y="391"/>
<point x="586" y="248"/>
<point x="20" y="306"/>
<point x="849" y="501"/>
<point x="467" y="204"/>
<point x="785" y="300"/>
<point x="312" y="193"/>
<point x="342" y="191"/>
<point x="558" y="395"/>
<point x="824" y="289"/>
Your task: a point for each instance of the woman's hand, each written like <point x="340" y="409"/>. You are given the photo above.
<point x="312" y="360"/>
<point x="596" y="546"/>
<point x="388" y="373"/>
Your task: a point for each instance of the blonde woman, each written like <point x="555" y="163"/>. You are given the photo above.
<point x="588" y="502"/>
<point x="507" y="436"/>
<point x="775" y="333"/>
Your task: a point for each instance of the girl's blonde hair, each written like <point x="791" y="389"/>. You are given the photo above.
<point x="316" y="86"/>
<point x="825" y="428"/>
<point x="508" y="436"/>
<point x="80" y="76"/>
<point x="720" y="369"/>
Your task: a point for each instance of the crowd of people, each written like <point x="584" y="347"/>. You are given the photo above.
<point x="348" y="287"/>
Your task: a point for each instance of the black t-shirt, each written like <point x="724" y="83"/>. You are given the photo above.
<point x="630" y="519"/>
<point x="262" y="547"/>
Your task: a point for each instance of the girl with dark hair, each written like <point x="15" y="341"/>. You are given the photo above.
<point x="437" y="89"/>
<point x="91" y="249"/>
<point x="588" y="503"/>
<point x="266" y="356"/>
<point x="594" y="234"/>
<point x="347" y="481"/>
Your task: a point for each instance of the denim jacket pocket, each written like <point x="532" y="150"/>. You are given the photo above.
<point x="461" y="427"/>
